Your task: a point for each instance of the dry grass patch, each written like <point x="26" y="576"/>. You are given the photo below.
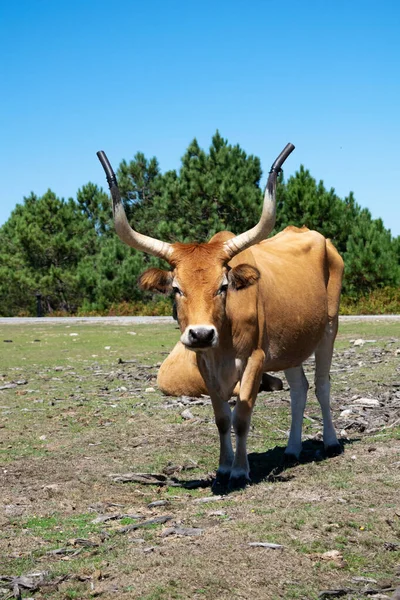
<point x="77" y="416"/>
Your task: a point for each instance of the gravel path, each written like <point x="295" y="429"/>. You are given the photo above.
<point x="146" y="320"/>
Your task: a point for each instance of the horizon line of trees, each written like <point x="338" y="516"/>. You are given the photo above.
<point x="67" y="250"/>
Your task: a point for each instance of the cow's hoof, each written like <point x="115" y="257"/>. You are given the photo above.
<point x="290" y="460"/>
<point x="334" y="450"/>
<point x="220" y="483"/>
<point x="238" y="483"/>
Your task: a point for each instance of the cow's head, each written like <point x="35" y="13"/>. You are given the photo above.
<point x="200" y="277"/>
<point x="200" y="280"/>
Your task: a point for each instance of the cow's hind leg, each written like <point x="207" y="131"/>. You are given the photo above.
<point x="323" y="359"/>
<point x="298" y="397"/>
<point x="249" y="386"/>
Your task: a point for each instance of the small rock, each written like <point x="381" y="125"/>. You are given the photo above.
<point x="346" y="412"/>
<point x="187" y="415"/>
<point x="14" y="510"/>
<point x="333" y="555"/>
<point x="182" y="531"/>
<point x="157" y="503"/>
<point x="149" y="390"/>
<point x="359" y="342"/>
<point x="73" y="334"/>
<point x="363" y="580"/>
<point x="170" y="469"/>
<point x="52" y="489"/>
<point x="367" y="402"/>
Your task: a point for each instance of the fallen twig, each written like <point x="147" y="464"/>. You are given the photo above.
<point x="182" y="531"/>
<point x="126" y="362"/>
<point x="135" y="526"/>
<point x="326" y="594"/>
<point x="266" y="545"/>
<point x="115" y="517"/>
<point x="143" y="478"/>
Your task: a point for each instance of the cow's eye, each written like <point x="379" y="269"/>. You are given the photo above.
<point x="177" y="291"/>
<point x="223" y="289"/>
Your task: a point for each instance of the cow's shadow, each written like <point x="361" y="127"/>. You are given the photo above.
<point x="273" y="466"/>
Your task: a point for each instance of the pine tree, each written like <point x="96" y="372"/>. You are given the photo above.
<point x="213" y="191"/>
<point x="301" y="201"/>
<point x="111" y="275"/>
<point x="46" y="238"/>
<point x="96" y="207"/>
<point x="370" y="259"/>
<point x="139" y="183"/>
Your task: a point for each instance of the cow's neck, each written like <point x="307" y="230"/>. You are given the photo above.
<point x="218" y="366"/>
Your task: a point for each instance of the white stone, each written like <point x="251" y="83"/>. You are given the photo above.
<point x="186" y="414"/>
<point x="347" y="412"/>
<point x="367" y="402"/>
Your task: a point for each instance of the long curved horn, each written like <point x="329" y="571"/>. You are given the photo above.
<point x="122" y="227"/>
<point x="267" y="219"/>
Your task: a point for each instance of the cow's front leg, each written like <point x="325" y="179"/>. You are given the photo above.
<point x="240" y="474"/>
<point x="223" y="420"/>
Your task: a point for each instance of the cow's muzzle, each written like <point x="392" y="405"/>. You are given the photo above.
<point x="200" y="337"/>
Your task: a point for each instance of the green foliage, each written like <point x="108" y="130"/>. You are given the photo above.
<point x="96" y="207"/>
<point x="140" y="182"/>
<point x="303" y="201"/>
<point x="213" y="191"/>
<point x="370" y="258"/>
<point x="68" y="251"/>
<point x="159" y="307"/>
<point x="111" y="275"/>
<point x="370" y="254"/>
<point x="41" y="246"/>
<point x="382" y="301"/>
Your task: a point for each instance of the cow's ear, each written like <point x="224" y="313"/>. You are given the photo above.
<point x="156" y="280"/>
<point x="243" y="276"/>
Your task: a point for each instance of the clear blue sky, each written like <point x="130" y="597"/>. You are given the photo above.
<point x="124" y="76"/>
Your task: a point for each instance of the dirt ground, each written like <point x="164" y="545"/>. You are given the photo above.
<point x="80" y="418"/>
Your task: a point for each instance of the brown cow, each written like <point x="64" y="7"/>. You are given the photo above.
<point x="179" y="375"/>
<point x="247" y="305"/>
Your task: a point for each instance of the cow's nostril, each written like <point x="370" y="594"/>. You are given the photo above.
<point x="193" y="334"/>
<point x="210" y="335"/>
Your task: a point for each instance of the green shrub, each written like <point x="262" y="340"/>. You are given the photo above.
<point x="384" y="301"/>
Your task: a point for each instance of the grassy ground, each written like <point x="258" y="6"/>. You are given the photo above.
<point x="74" y="416"/>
